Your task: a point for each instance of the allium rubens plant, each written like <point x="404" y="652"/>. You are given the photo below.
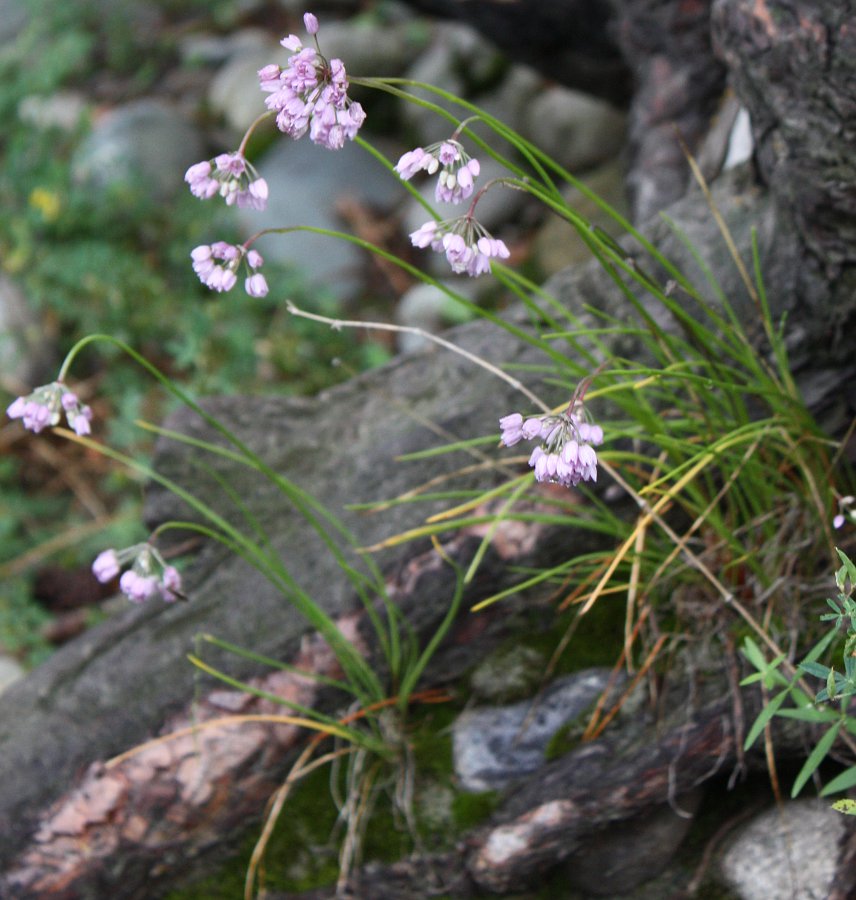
<point x="706" y="432"/>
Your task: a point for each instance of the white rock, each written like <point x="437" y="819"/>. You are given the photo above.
<point x="10" y="671"/>
<point x="427" y="307"/>
<point x="785" y="854"/>
<point x="740" y="142"/>
<point x="63" y="109"/>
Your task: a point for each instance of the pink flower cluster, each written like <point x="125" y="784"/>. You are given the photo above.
<point x="458" y="173"/>
<point x="311" y="94"/>
<point x="217" y="267"/>
<point x="565" y="455"/>
<point x="149" y="574"/>
<point x="467" y="245"/>
<point x="232" y="177"/>
<point x="43" y="408"/>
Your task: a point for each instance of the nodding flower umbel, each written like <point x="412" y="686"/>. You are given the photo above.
<point x="148" y="575"/>
<point x="217" y="267"/>
<point x="467" y="245"/>
<point x="565" y="454"/>
<point x="457" y="175"/>
<point x="230" y="176"/>
<point x="45" y="406"/>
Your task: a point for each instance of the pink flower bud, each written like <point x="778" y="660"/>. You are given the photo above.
<point x="311" y="23"/>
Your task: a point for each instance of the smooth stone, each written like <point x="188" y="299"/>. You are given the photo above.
<point x="509" y="102"/>
<point x="371" y="49"/>
<point x="305" y="182"/>
<point x="627" y="854"/>
<point x="146" y="145"/>
<point x="14" y="18"/>
<point x="456" y="57"/>
<point x="494" y="746"/>
<point x="215" y="49"/>
<point x="557" y="244"/>
<point x="26" y="353"/>
<point x="577" y="130"/>
<point x="785" y="852"/>
<point x="234" y="92"/>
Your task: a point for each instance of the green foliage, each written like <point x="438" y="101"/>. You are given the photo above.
<point x="119" y="262"/>
<point x="839" y="687"/>
<point x="22" y="623"/>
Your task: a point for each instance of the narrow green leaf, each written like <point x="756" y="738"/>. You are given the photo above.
<point x="842" y="782"/>
<point x="764" y="717"/>
<point x="816" y="757"/>
<point x="753" y="653"/>
<point x="816" y="669"/>
<point x="810" y="714"/>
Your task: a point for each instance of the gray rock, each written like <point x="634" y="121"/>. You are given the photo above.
<point x="370" y="48"/>
<point x="494" y="746"/>
<point x="577" y="130"/>
<point x="557" y="244"/>
<point x="305" y="182"/>
<point x="234" y="92"/>
<point x="14" y="17"/>
<point x="785" y="854"/>
<point x="25" y="353"/>
<point x="509" y="102"/>
<point x="10" y="671"/>
<point x="455" y="58"/>
<point x="146" y="145"/>
<point x="627" y="854"/>
<point x="216" y="49"/>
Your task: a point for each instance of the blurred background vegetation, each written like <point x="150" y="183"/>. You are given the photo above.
<point x="117" y="262"/>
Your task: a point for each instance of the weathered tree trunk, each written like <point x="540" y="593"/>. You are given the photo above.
<point x="653" y="56"/>
<point x="550" y="818"/>
<point x="73" y="827"/>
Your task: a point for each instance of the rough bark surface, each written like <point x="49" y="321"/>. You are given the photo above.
<point x="678" y="86"/>
<point x="792" y="64"/>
